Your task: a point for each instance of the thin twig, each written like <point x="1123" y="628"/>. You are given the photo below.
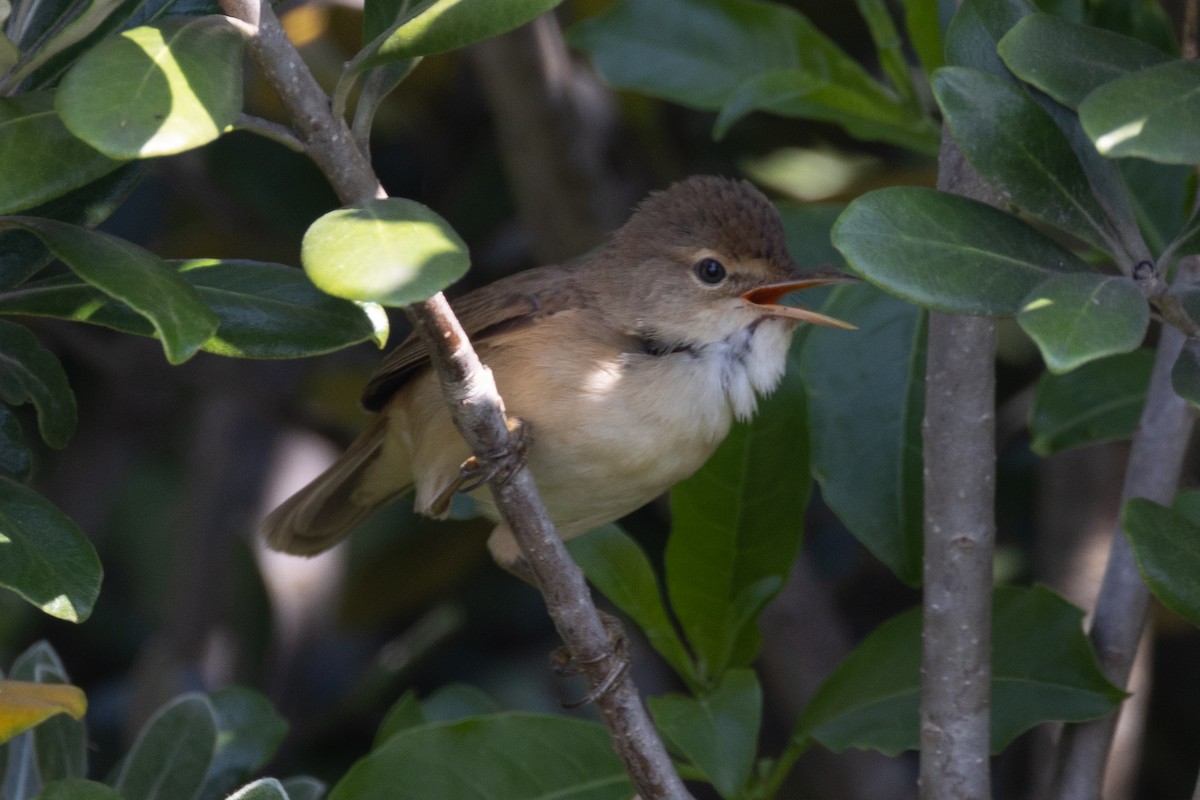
<point x="270" y="130"/>
<point x="478" y="413"/>
<point x="960" y="470"/>
<point x="1155" y="461"/>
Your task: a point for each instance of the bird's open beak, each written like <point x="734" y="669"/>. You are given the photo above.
<point x="766" y="298"/>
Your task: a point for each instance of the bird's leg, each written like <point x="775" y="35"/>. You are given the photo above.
<point x="504" y="550"/>
<point x="498" y="466"/>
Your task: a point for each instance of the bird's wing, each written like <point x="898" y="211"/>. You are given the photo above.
<point x="511" y="303"/>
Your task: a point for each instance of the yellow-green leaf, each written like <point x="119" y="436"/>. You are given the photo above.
<point x="24" y="704"/>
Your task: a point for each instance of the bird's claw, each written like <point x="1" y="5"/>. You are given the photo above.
<point x="499" y="466"/>
<point x="566" y="665"/>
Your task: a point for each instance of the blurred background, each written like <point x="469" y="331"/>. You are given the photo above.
<point x="532" y="158"/>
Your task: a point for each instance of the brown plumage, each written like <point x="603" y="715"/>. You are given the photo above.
<point x="628" y="367"/>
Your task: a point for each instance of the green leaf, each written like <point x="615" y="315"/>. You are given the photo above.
<point x="405" y="713"/>
<point x="22" y="254"/>
<point x="1083" y="316"/>
<point x="736" y="528"/>
<point x="1043" y="669"/>
<point x="440" y="26"/>
<point x="1099" y="402"/>
<point x="1160" y="197"/>
<point x="890" y="49"/>
<point x="947" y="252"/>
<point x="45" y="558"/>
<point x="77" y="789"/>
<point x="1153" y="113"/>
<point x="1067" y="60"/>
<point x="976" y="29"/>
<point x="39" y="158"/>
<point x="392" y="251"/>
<point x="574" y="762"/>
<point x="867" y="111"/>
<point x="925" y="32"/>
<point x="156" y="90"/>
<point x="172" y="753"/>
<point x="619" y="568"/>
<point x="263" y="310"/>
<point x="261" y="789"/>
<point x="1166" y="545"/>
<point x="31" y="374"/>
<point x="248" y="734"/>
<point x="1017" y="148"/>
<point x="14" y="455"/>
<point x="132" y="275"/>
<point x="698" y="52"/>
<point x="1185" y="374"/>
<point x="718" y="732"/>
<point x="870" y="475"/>
<point x="455" y="701"/>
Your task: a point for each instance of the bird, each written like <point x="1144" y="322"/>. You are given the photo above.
<point x="625" y="369"/>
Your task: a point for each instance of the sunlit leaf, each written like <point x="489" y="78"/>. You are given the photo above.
<point x="157" y="89"/>
<point x="1084" y="316"/>
<point x="392" y="251"/>
<point x="1153" y="113"/>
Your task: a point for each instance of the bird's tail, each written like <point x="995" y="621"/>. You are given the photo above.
<point x="332" y="505"/>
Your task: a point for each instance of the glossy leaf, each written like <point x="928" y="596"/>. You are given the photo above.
<point x="132" y="275"/>
<point x="619" y="568"/>
<point x="1067" y="60"/>
<point x="45" y="558"/>
<point x="1166" y="545"/>
<point x="976" y="29"/>
<point x="172" y="753"/>
<point x="1017" y="148"/>
<point x="870" y="476"/>
<point x="698" y="52"/>
<point x="156" y="90"/>
<point x="31" y="374"/>
<point x="249" y="731"/>
<point x="717" y="732"/>
<point x="39" y="158"/>
<point x="22" y="254"/>
<point x="736" y="527"/>
<point x="947" y="252"/>
<point x="261" y="789"/>
<point x="25" y="704"/>
<point x="1153" y="113"/>
<point x="392" y="251"/>
<point x="1185" y="374"/>
<point x="263" y="310"/>
<point x="440" y="26"/>
<point x="1043" y="669"/>
<point x="78" y="789"/>
<point x="443" y="761"/>
<point x="1099" y="402"/>
<point x="1084" y="316"/>
<point x="867" y="111"/>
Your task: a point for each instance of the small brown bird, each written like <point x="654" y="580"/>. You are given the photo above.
<point x="627" y="368"/>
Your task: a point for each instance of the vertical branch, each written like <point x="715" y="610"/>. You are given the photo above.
<point x="959" y="449"/>
<point x="1155" y="462"/>
<point x="478" y="413"/>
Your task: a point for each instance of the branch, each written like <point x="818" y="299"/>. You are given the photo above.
<point x="1155" y="461"/>
<point x="960" y="464"/>
<point x="478" y="412"/>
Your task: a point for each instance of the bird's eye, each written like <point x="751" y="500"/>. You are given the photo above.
<point x="710" y="271"/>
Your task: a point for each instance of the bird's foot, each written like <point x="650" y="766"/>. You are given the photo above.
<point x="497" y="467"/>
<point x="564" y="664"/>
